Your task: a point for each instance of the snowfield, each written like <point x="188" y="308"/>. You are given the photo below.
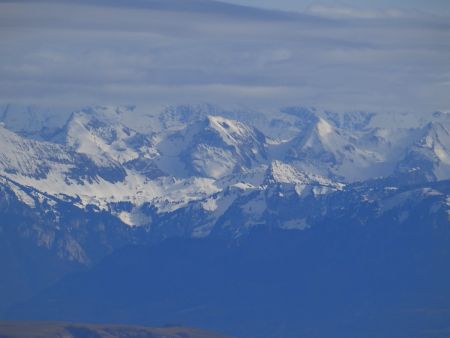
<point x="182" y="155"/>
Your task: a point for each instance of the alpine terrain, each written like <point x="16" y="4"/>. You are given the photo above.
<point x="288" y="222"/>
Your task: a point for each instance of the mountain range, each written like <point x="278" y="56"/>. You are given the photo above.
<point x="71" y="330"/>
<point x="84" y="193"/>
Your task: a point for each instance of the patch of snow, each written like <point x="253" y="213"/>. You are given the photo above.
<point x="210" y="205"/>
<point x="135" y="218"/>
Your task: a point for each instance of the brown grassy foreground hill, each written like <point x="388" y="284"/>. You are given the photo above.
<point x="19" y="329"/>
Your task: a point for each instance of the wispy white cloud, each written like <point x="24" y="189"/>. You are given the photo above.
<point x="341" y="12"/>
<point x="181" y="51"/>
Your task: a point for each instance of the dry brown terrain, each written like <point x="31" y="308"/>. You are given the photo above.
<point x="19" y="329"/>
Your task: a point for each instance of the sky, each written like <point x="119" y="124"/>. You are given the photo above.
<point x="347" y="56"/>
<point x="431" y="6"/>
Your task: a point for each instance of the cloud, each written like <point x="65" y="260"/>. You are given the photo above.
<point x="174" y="51"/>
<point x="341" y="12"/>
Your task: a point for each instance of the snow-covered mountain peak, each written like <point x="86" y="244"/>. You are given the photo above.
<point x="98" y="158"/>
<point x="225" y="146"/>
<point x="104" y="140"/>
<point x="23" y="159"/>
<point x="324" y="128"/>
<point x="430" y="153"/>
<point x="345" y="154"/>
<point x="32" y="121"/>
<point x="29" y="158"/>
<point x="233" y="132"/>
<point x="284" y="173"/>
<point x="213" y="147"/>
<point x="436" y="139"/>
<point x="280" y="172"/>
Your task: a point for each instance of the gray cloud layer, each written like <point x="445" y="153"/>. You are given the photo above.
<point x="172" y="51"/>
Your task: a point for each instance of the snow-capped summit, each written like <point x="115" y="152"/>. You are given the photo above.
<point x="32" y="121"/>
<point x="206" y="162"/>
<point x="280" y="172"/>
<point x="22" y="159"/>
<point x="112" y="176"/>
<point x="98" y="138"/>
<point x="29" y="158"/>
<point x="224" y="146"/>
<point x="304" y="183"/>
<point x="212" y="147"/>
<point x="104" y="139"/>
<point x="331" y="151"/>
<point x="430" y="153"/>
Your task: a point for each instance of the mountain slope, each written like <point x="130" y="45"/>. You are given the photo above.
<point x="43" y="238"/>
<point x="100" y="137"/>
<point x="430" y="153"/>
<point x="73" y="330"/>
<point x="111" y="177"/>
<point x="213" y="147"/>
<point x="339" y="279"/>
<point x="22" y="157"/>
<point x="341" y="153"/>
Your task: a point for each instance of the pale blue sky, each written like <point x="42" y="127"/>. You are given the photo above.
<point x="341" y="56"/>
<point x="434" y="6"/>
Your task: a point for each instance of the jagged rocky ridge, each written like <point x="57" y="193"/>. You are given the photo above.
<point x="82" y="186"/>
<point x="139" y="166"/>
